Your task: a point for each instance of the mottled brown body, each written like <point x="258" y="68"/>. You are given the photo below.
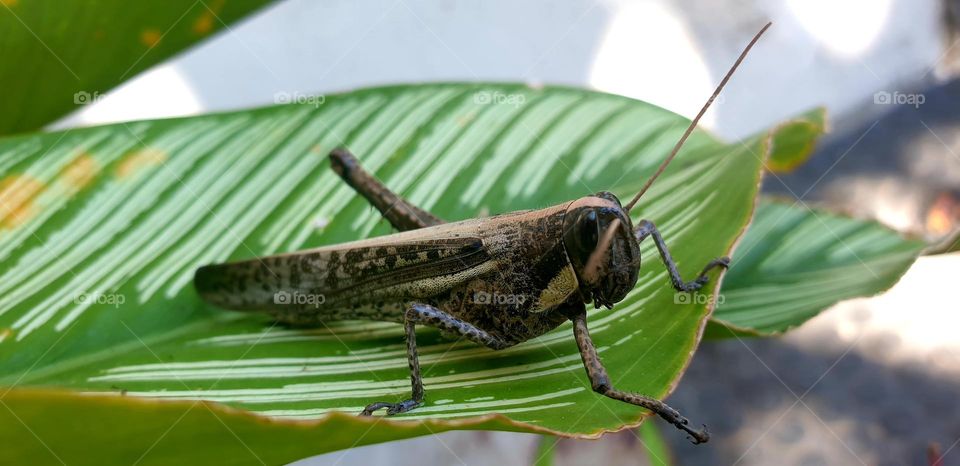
<point x="507" y="274"/>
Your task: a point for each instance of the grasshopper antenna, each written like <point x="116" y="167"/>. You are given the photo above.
<point x="591" y="270"/>
<point x="693" y="124"/>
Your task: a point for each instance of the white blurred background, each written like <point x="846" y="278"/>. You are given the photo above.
<point x="824" y="52"/>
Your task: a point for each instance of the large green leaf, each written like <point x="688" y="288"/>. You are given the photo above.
<point x="59" y="55"/>
<point x="794" y="262"/>
<point x="127" y="212"/>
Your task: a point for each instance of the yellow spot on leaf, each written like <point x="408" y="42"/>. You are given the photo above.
<point x="150" y="37"/>
<point x="17" y="196"/>
<point x="6" y="333"/>
<point x="204" y="24"/>
<point x="9" y="3"/>
<point x="465" y="120"/>
<point x="139" y="160"/>
<point x="80" y="172"/>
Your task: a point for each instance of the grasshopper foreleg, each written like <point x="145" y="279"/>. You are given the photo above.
<point x="429" y="315"/>
<point x="400" y="213"/>
<point x="600" y="382"/>
<point x="647" y="228"/>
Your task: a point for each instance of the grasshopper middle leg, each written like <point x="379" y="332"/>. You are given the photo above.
<point x="429" y="315"/>
<point x="600" y="382"/>
<point x="647" y="228"/>
<point x="399" y="212"/>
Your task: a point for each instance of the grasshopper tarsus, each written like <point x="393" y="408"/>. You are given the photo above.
<point x="646" y="229"/>
<point x="392" y="408"/>
<point x="372" y="407"/>
<point x="403" y="215"/>
<point x="718" y="263"/>
<point x="703" y="436"/>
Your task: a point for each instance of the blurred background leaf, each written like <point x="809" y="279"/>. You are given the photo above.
<point x="795" y="262"/>
<point x="546" y="451"/>
<point x="658" y="453"/>
<point x="794" y="140"/>
<point x="60" y="55"/>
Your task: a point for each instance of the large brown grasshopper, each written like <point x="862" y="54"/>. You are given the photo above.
<point x="497" y="281"/>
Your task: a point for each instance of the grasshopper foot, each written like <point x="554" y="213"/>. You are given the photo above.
<point x="392" y="408"/>
<point x="696" y="436"/>
<point x="673" y="416"/>
<point x="702" y="279"/>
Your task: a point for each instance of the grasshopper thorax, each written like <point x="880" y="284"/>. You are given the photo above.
<point x="609" y="279"/>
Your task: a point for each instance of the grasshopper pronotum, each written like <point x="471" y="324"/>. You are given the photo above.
<point x="547" y="264"/>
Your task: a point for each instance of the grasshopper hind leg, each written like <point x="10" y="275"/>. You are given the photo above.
<point x="399" y="212"/>
<point x="429" y="315"/>
<point x="600" y="382"/>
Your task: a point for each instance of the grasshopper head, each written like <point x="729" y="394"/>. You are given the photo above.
<point x="599" y="224"/>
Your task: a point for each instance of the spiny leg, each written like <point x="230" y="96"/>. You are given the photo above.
<point x="601" y="384"/>
<point x="400" y="213"/>
<point x="647" y="228"/>
<point x="429" y="315"/>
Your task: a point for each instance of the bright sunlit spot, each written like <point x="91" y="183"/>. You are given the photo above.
<point x="161" y="92"/>
<point x="847" y="27"/>
<point x="647" y="53"/>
